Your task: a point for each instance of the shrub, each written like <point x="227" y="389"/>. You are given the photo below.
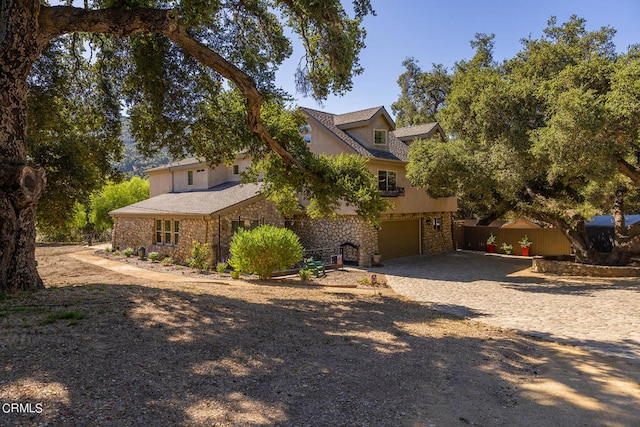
<point x="221" y="267"/>
<point x="167" y="261"/>
<point x="235" y="274"/>
<point x="304" y="274"/>
<point x="199" y="255"/>
<point x="154" y="256"/>
<point x="108" y="249"/>
<point x="264" y="250"/>
<point x="127" y="252"/>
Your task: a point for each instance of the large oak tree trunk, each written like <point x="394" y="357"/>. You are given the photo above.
<point x="20" y="184"/>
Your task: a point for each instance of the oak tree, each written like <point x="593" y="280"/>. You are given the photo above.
<point x="176" y="67"/>
<point x="552" y="133"/>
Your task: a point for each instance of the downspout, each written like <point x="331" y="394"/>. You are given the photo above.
<point x="219" y="241"/>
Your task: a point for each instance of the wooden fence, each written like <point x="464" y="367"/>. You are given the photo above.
<point x="546" y="241"/>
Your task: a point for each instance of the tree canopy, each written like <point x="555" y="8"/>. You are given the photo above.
<point x="552" y="133"/>
<point x="195" y="77"/>
<point x="423" y="93"/>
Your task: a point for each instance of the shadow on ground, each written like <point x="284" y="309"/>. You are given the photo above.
<point x="262" y="355"/>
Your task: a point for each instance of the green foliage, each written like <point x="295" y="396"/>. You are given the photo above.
<point x="423" y="93"/>
<point x="74" y="140"/>
<point x="199" y="256"/>
<point x="128" y="252"/>
<point x="551" y="133"/>
<point x="167" y="261"/>
<point x="304" y="274"/>
<point x="525" y="242"/>
<point x="221" y="267"/>
<point x="154" y="256"/>
<point x="115" y="196"/>
<point x="235" y="274"/>
<point x="264" y="250"/>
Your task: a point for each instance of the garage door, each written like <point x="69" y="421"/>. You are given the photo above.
<point x="399" y="238"/>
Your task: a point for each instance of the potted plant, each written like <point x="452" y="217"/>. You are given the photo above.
<point x="506" y="247"/>
<point x="525" y="243"/>
<point x="491" y="243"/>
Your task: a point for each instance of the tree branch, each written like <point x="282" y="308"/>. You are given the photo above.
<point x="629" y="170"/>
<point x="55" y="21"/>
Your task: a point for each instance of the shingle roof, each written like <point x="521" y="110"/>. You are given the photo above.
<point x="184" y="162"/>
<point x="355" y="116"/>
<point x="397" y="149"/>
<point x="204" y="202"/>
<point x="411" y="132"/>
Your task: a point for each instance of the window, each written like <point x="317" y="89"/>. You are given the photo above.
<point x="158" y="239"/>
<point x="387" y="180"/>
<point x="189" y="177"/>
<point x="236" y="169"/>
<point x="167" y="232"/>
<point x="380" y="137"/>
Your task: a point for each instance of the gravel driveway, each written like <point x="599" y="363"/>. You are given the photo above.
<point x="594" y="313"/>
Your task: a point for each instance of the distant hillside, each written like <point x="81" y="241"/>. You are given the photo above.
<point x="133" y="163"/>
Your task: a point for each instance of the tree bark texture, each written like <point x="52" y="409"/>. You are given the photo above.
<point x="20" y="184"/>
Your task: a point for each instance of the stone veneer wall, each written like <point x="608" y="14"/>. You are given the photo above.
<point x="437" y="241"/>
<point x="132" y="233"/>
<point x="136" y="232"/>
<point x="330" y="233"/>
<point x="541" y="265"/>
<point x="263" y="211"/>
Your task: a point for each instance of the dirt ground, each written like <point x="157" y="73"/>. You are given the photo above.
<point x="103" y="348"/>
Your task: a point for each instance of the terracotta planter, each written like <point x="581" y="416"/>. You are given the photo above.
<point x="491" y="248"/>
<point x="525" y="251"/>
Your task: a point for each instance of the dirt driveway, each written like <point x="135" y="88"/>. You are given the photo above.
<point x="111" y="349"/>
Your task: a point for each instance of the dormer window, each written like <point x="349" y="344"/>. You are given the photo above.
<point x="380" y="137"/>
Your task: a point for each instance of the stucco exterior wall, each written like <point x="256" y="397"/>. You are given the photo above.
<point x="160" y="183"/>
<point x="364" y="134"/>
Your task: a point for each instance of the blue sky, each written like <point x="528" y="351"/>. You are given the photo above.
<point x="440" y="31"/>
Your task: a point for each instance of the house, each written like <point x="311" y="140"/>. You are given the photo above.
<point x="417" y="223"/>
<point x="192" y="201"/>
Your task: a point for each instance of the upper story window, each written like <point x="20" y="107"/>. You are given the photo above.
<point x="189" y="177"/>
<point x="387" y="180"/>
<point x="380" y="136"/>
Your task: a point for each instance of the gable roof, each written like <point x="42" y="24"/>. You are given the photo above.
<point x="361" y="118"/>
<point x="194" y="203"/>
<point x="426" y="131"/>
<point x="398" y="150"/>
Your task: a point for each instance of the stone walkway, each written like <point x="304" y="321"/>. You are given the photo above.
<point x="593" y="313"/>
